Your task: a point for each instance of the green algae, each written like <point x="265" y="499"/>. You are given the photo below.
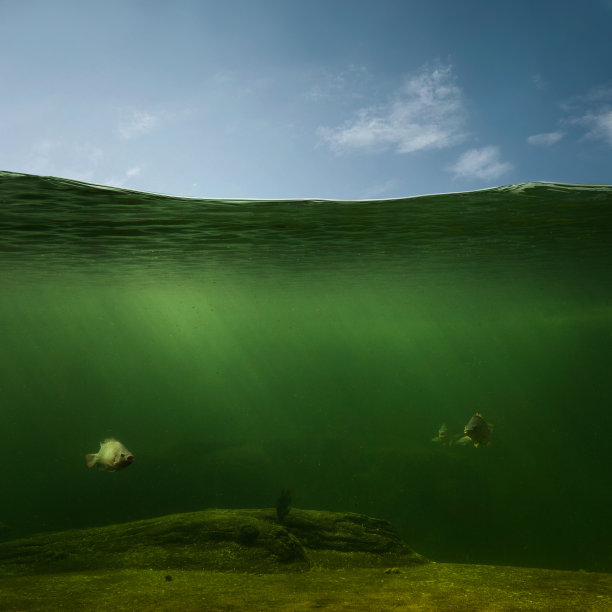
<point x="427" y="587"/>
<point x="221" y="560"/>
<point x="215" y="539"/>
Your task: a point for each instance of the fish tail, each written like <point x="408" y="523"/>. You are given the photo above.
<point x="91" y="460"/>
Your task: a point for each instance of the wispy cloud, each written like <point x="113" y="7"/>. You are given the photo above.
<point x="385" y="189"/>
<point x="539" y="81"/>
<point x="137" y="123"/>
<point x="481" y="163"/>
<point x="426" y="113"/>
<point x="597" y="97"/>
<point x="124" y="179"/>
<point x="592" y="111"/>
<point x="77" y="160"/>
<point x="352" y="82"/>
<point x="545" y="140"/>
<point x="599" y="124"/>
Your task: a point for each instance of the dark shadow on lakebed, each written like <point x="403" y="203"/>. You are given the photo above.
<point x="248" y="559"/>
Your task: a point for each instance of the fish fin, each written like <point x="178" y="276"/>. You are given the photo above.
<point x="91" y="460"/>
<point x="463" y="440"/>
<point x="476" y="443"/>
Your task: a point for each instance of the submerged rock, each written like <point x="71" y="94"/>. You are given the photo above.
<point x="241" y="540"/>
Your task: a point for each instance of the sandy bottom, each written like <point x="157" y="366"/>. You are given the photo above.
<point x="435" y="586"/>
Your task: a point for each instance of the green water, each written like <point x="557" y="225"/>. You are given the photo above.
<point x="240" y="347"/>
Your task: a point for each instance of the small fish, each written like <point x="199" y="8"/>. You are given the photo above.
<point x="283" y="505"/>
<point x="477" y="430"/>
<point x="442" y="436"/>
<point x="112" y="456"/>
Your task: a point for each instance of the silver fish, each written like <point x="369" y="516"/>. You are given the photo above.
<point x="112" y="456"/>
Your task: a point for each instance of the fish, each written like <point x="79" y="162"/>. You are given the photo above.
<point x="112" y="456"/>
<point x="442" y="436"/>
<point x="283" y="505"/>
<point x="477" y="430"/>
<point x="445" y="438"/>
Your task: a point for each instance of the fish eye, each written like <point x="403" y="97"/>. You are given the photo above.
<point x="122" y="455"/>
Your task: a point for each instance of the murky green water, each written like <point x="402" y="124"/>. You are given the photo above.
<point x="238" y="347"/>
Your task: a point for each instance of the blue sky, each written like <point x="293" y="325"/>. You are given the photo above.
<point x="307" y="98"/>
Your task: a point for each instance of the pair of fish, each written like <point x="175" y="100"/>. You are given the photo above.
<point x="112" y="456"/>
<point x="478" y="431"/>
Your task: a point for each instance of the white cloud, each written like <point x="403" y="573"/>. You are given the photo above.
<point x="480" y="163"/>
<point x="597" y="97"/>
<point x="123" y="180"/>
<point x="76" y="160"/>
<point x="137" y="124"/>
<point x="426" y="113"/>
<point x="593" y="111"/>
<point x="133" y="172"/>
<point x="352" y="82"/>
<point x="545" y="140"/>
<point x="600" y="124"/>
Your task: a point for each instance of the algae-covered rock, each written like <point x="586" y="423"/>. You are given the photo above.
<point x="243" y="540"/>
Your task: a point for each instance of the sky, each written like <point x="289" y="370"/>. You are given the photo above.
<point x="339" y="99"/>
